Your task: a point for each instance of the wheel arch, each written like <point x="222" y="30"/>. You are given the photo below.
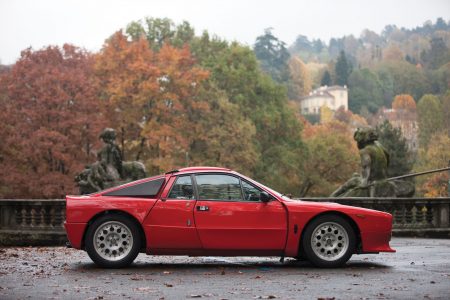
<point x="116" y="212"/>
<point x="352" y="223"/>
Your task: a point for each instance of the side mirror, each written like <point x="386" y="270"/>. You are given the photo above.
<point x="265" y="197"/>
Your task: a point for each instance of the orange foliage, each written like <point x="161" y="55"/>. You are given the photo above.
<point x="404" y="102"/>
<point x="51" y="120"/>
<point x="153" y="97"/>
<point x="333" y="157"/>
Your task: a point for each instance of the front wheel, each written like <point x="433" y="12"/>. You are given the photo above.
<point x="113" y="241"/>
<point x="329" y="241"/>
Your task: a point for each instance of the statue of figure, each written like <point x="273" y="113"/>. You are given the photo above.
<point x="110" y="155"/>
<point x="374" y="165"/>
<point x="109" y="170"/>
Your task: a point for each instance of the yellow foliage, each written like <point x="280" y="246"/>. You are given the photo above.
<point x="326" y="114"/>
<point x="300" y="84"/>
<point x="436" y="156"/>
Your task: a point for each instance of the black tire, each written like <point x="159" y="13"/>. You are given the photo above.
<point x="113" y="241"/>
<point x="333" y="243"/>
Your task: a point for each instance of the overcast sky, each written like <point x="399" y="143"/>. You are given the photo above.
<point x="87" y="23"/>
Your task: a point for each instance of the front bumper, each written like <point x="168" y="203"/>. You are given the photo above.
<point x="374" y="242"/>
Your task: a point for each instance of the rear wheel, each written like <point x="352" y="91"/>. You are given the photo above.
<point x="329" y="241"/>
<point x="113" y="241"/>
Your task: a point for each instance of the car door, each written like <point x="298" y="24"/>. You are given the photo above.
<point x="230" y="216"/>
<point x="170" y="224"/>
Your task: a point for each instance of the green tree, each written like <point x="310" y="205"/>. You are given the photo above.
<point x="261" y="127"/>
<point x="326" y="79"/>
<point x="235" y="71"/>
<point x="364" y="91"/>
<point x="387" y="86"/>
<point x="400" y="158"/>
<point x="430" y="118"/>
<point x="438" y="54"/>
<point x="273" y="56"/>
<point x="404" y="77"/>
<point x="343" y="69"/>
<point x="159" y="31"/>
<point x="446" y="112"/>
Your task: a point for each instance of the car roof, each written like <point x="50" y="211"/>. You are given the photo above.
<point x="199" y="169"/>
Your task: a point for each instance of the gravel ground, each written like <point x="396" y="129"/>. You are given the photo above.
<point x="419" y="270"/>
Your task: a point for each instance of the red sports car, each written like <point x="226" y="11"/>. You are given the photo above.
<point x="216" y="211"/>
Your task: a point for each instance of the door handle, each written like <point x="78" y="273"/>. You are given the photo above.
<point x="203" y="208"/>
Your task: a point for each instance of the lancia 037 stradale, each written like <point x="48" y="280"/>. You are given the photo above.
<point x="218" y="212"/>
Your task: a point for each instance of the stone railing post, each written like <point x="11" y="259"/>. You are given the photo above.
<point x="444" y="214"/>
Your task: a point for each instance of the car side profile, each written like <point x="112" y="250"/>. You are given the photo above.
<point x="206" y="211"/>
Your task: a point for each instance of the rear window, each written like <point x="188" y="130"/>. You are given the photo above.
<point x="146" y="189"/>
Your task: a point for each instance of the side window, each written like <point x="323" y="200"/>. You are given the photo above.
<point x="182" y="189"/>
<point x="251" y="193"/>
<point x="218" y="187"/>
<point x="146" y="189"/>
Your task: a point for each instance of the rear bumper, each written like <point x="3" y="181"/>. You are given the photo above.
<point x="75" y="233"/>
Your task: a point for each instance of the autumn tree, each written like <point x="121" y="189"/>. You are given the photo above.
<point x="237" y="91"/>
<point x="434" y="157"/>
<point x="331" y="158"/>
<point x="429" y="113"/>
<point x="393" y="53"/>
<point x="300" y="82"/>
<point x="405" y="107"/>
<point x="404" y="102"/>
<point x="52" y="119"/>
<point x="152" y="97"/>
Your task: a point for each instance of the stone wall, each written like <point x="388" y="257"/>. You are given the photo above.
<point x="41" y="222"/>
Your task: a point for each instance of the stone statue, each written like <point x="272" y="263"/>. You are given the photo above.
<point x="109" y="170"/>
<point x="110" y="156"/>
<point x="372" y="182"/>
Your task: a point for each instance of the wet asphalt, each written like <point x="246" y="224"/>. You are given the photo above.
<point x="419" y="270"/>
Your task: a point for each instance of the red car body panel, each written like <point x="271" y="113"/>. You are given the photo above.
<point x="207" y="227"/>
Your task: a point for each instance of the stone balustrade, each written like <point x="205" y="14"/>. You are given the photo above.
<point x="41" y="222"/>
<point x="32" y="222"/>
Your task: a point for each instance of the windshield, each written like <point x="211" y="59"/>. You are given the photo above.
<point x="265" y="187"/>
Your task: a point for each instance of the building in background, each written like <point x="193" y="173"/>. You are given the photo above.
<point x="332" y="97"/>
<point x="404" y="119"/>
